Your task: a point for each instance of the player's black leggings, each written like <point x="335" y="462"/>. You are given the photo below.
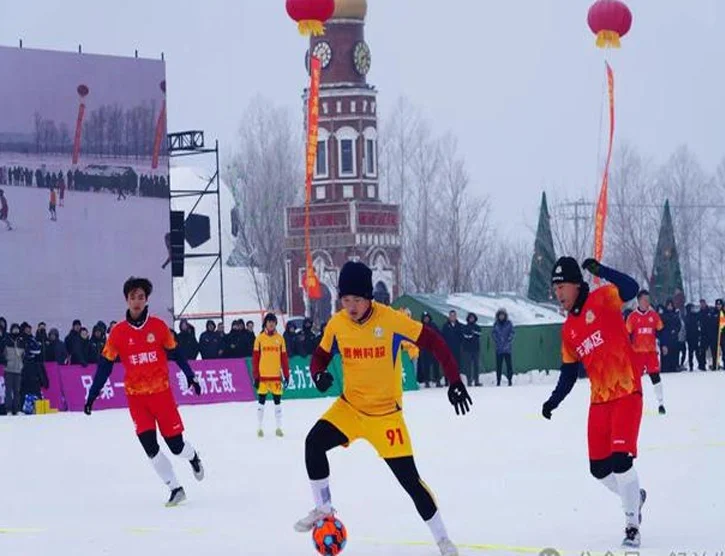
<point x="655" y="378"/>
<point x="262" y="398"/>
<point x="151" y="445"/>
<point x="325" y="436"/>
<point x="618" y="462"/>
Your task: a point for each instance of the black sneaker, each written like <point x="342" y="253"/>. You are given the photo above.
<point x="197" y="467"/>
<point x="662" y="410"/>
<point x="631" y="537"/>
<point x="177" y="497"/>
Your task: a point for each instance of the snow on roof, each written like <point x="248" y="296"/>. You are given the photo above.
<point x="521" y="311"/>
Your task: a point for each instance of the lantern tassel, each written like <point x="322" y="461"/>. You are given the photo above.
<point x="312" y="27"/>
<point x="608" y="39"/>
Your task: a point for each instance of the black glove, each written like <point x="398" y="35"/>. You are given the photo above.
<point x="194" y="384"/>
<point x="88" y="407"/>
<point x="323" y="381"/>
<point x="547" y="408"/>
<point x="593" y="266"/>
<point x="459" y="398"/>
<point x="256" y="384"/>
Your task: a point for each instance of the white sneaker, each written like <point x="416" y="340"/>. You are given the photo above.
<point x="307" y="523"/>
<point x="447" y="548"/>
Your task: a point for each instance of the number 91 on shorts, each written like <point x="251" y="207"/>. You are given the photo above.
<point x="388" y="434"/>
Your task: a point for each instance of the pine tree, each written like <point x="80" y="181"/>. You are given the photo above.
<point x="666" y="274"/>
<point x="543" y="259"/>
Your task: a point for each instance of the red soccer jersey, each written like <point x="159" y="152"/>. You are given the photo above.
<point x="598" y="337"/>
<point x="643" y="327"/>
<point x="143" y="354"/>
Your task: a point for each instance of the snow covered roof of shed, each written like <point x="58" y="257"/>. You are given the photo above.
<point x="521" y="311"/>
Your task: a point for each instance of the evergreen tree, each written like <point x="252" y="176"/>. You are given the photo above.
<point x="543" y="259"/>
<point x="666" y="275"/>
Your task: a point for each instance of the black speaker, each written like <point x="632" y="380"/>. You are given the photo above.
<point x="197" y="230"/>
<point x="177" y="243"/>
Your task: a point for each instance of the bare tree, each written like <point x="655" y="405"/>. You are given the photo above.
<point x="465" y="218"/>
<point x="506" y="266"/>
<point x="635" y="213"/>
<point x="266" y="174"/>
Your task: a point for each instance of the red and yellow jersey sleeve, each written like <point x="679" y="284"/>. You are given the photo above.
<point x="411" y="349"/>
<point x="110" y="351"/>
<point x="568" y="353"/>
<point x="328" y="338"/>
<point x="609" y="297"/>
<point x="168" y="340"/>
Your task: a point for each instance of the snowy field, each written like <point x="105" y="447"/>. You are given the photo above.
<point x="508" y="481"/>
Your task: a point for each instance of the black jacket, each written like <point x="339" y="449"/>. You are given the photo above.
<point x="453" y="335"/>
<point x="471" y="337"/>
<point x="188" y="343"/>
<point x="210" y="344"/>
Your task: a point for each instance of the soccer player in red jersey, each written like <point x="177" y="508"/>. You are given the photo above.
<point x="644" y="325"/>
<point x="595" y="335"/>
<point x="142" y="342"/>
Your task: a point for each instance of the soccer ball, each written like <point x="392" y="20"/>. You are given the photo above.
<point x="329" y="536"/>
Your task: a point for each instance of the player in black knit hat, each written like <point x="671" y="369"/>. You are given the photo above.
<point x="369" y="337"/>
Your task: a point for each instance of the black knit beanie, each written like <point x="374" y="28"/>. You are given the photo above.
<point x="566" y="270"/>
<point x="355" y="279"/>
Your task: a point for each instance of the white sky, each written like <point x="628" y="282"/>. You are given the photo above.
<point x="519" y="82"/>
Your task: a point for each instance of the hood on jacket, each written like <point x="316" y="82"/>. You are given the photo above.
<point x="54" y="331"/>
<point x="503" y="312"/>
<point x="475" y="318"/>
<point x="290" y="327"/>
<point x="210" y="326"/>
<point x="424" y="315"/>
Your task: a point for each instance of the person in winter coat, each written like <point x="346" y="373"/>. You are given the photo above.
<point x="704" y="320"/>
<point x="3" y="335"/>
<point x="428" y="370"/>
<point x="97" y="342"/>
<point x="85" y="347"/>
<point x="309" y="339"/>
<point x="669" y="338"/>
<point x="248" y="339"/>
<point x="14" y="349"/>
<point x="292" y="340"/>
<point x="471" y="349"/>
<point x="55" y="349"/>
<point x="74" y="345"/>
<point x="681" y="339"/>
<point x="210" y="343"/>
<point x="503" y="336"/>
<point x="33" y="376"/>
<point x="188" y="343"/>
<point x="692" y="337"/>
<point x="233" y="341"/>
<point x="452" y="335"/>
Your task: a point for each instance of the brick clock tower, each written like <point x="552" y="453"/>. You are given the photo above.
<point x="347" y="219"/>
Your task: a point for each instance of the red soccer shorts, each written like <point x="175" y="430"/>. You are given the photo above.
<point x="614" y="426"/>
<point x="149" y="409"/>
<point x="647" y="362"/>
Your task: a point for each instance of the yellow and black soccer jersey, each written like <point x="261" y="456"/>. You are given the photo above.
<point x="371" y="362"/>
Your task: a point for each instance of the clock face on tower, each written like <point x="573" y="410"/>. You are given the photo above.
<point x="323" y="51"/>
<point x="361" y="58"/>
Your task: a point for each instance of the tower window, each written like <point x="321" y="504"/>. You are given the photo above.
<point x="320" y="192"/>
<point x="371" y="191"/>
<point x="325" y="108"/>
<point x="353" y="106"/>
<point x="347" y="152"/>
<point x="321" y="166"/>
<point x="339" y="106"/>
<point x="370" y="157"/>
<point x="347" y="166"/>
<point x="348" y="191"/>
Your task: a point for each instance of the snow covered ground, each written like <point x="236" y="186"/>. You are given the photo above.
<point x="508" y="481"/>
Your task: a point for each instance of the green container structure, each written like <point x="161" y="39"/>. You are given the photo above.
<point x="301" y="386"/>
<point x="537" y="343"/>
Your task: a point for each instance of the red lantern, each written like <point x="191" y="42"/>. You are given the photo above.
<point x="609" y="20"/>
<point x="310" y="15"/>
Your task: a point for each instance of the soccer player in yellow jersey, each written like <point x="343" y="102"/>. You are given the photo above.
<point x="368" y="336"/>
<point x="270" y="367"/>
